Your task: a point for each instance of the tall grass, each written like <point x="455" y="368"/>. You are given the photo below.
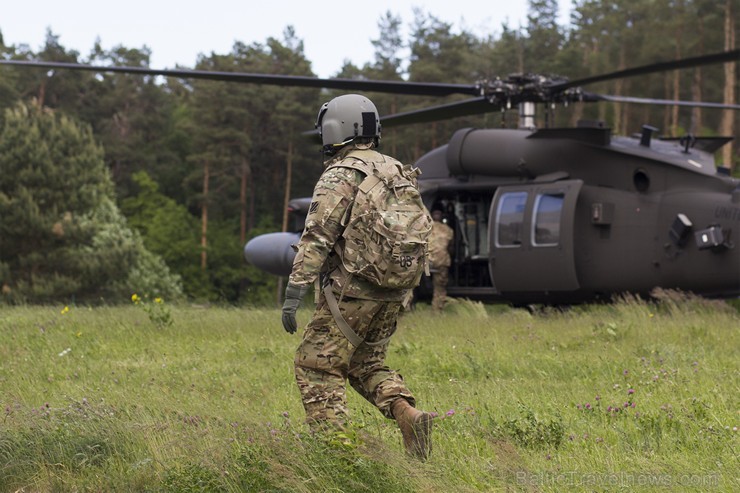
<point x="633" y="395"/>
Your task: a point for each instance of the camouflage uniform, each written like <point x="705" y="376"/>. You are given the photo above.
<point x="325" y="358"/>
<point x="439" y="242"/>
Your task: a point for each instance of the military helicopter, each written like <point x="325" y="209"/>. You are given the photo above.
<point x="549" y="215"/>
<point x="566" y="215"/>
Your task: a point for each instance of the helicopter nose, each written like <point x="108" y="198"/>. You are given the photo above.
<point x="272" y="252"/>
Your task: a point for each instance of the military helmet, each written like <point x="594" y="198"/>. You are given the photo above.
<point x="345" y="118"/>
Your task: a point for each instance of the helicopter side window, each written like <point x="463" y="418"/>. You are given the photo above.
<point x="546" y="225"/>
<point x="510" y="218"/>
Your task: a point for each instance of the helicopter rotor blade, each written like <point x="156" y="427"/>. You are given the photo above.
<point x="481" y="105"/>
<point x="489" y="96"/>
<point x="474" y="106"/>
<point x="385" y="86"/>
<point x="722" y="57"/>
<point x="430" y="114"/>
<point x="664" y="102"/>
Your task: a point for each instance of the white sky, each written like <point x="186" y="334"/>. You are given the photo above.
<point x="177" y="31"/>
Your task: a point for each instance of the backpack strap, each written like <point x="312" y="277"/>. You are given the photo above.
<point x="371" y="163"/>
<point x="362" y="160"/>
<point x="350" y="334"/>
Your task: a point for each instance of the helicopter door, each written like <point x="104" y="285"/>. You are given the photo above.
<point x="531" y="237"/>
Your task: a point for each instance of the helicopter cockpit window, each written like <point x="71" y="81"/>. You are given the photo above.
<point x="546" y="225"/>
<point x="510" y="218"/>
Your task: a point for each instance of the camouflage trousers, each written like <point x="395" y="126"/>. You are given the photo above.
<point x="439" y="282"/>
<point x="326" y="359"/>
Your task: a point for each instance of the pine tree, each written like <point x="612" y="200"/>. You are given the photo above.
<point x="62" y="237"/>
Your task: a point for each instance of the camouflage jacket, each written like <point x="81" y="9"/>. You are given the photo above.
<point x="439" y="244"/>
<point x="333" y="195"/>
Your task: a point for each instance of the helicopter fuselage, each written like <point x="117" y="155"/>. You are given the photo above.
<point x="569" y="215"/>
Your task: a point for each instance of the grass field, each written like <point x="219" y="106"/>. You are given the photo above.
<point x="632" y="396"/>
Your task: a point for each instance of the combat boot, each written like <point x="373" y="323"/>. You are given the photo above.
<point x="416" y="428"/>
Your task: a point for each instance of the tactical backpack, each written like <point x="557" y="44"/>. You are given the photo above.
<point x="387" y="231"/>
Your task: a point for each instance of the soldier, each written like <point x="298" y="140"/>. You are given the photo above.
<point x="440" y="245"/>
<point x="354" y="319"/>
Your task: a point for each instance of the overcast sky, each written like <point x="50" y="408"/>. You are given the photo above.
<point x="177" y="31"/>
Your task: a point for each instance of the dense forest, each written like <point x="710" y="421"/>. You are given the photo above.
<point x="114" y="184"/>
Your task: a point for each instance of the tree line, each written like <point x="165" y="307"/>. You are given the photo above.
<point x="112" y="184"/>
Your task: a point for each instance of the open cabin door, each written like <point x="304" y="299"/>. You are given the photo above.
<point x="531" y="237"/>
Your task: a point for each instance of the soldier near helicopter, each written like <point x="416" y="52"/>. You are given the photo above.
<point x="440" y="245"/>
<point x="365" y="238"/>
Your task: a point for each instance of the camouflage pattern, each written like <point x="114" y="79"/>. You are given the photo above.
<point x="325" y="359"/>
<point x="333" y="195"/>
<point x="439" y="282"/>
<point x="439" y="254"/>
<point x="439" y="243"/>
<point x="386" y="234"/>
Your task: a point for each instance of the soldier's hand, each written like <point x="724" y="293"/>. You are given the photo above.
<point x="293" y="296"/>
